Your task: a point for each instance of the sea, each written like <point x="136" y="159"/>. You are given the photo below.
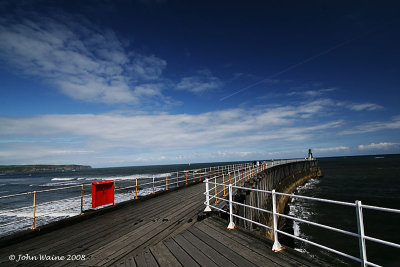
<point x="374" y="180"/>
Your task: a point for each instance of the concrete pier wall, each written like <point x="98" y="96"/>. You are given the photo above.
<point x="283" y="178"/>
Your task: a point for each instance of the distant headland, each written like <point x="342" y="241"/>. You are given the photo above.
<point x="39" y="168"/>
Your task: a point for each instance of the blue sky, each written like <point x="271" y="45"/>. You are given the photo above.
<point x="121" y="83"/>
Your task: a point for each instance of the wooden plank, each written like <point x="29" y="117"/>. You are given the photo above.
<point x="214" y="255"/>
<point x="140" y="261"/>
<point x="186" y="220"/>
<point x="121" y="247"/>
<point x="246" y="252"/>
<point x="222" y="249"/>
<point x="120" y="264"/>
<point x="195" y="253"/>
<point x="179" y="253"/>
<point x="163" y="256"/>
<point x="252" y="243"/>
<point x="129" y="262"/>
<point x="150" y="260"/>
<point x="263" y="248"/>
<point x="145" y="259"/>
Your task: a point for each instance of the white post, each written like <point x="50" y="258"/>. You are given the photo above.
<point x="277" y="246"/>
<point x="207" y="197"/>
<point x="231" y="225"/>
<point x="360" y="226"/>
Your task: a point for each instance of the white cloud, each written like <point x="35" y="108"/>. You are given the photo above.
<point x="365" y="106"/>
<point x="380" y="146"/>
<point x="82" y="61"/>
<point x="331" y="149"/>
<point x="311" y="93"/>
<point x="105" y="134"/>
<point x="374" y="126"/>
<point x="201" y="82"/>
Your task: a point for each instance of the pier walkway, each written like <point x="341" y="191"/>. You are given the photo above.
<point x="160" y="231"/>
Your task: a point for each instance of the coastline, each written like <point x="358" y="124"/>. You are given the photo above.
<point x="39" y="168"/>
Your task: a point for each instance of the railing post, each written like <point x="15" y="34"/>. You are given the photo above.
<point x="223" y="182"/>
<point x="186" y="177"/>
<point x="216" y="194"/>
<point x="360" y="226"/>
<point x="277" y="246"/>
<point x="81" y="200"/>
<point x="207" y="197"/>
<point x="153" y="183"/>
<point x="34" y="211"/>
<point x="136" y="190"/>
<point x="177" y="181"/>
<point x="231" y="224"/>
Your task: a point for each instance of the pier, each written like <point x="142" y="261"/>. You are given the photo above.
<point x="171" y="227"/>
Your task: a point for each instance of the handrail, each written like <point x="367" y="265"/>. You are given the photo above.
<point x="170" y="180"/>
<point x="209" y="193"/>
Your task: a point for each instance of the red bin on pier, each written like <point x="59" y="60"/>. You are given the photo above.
<point x="102" y="193"/>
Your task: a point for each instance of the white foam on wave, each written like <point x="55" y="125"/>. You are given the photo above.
<point x="129" y="177"/>
<point x="300" y="208"/>
<point x="62" y="179"/>
<point x="66" y="183"/>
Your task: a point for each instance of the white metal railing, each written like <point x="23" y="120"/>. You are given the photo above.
<point x="210" y="194"/>
<point x="79" y="199"/>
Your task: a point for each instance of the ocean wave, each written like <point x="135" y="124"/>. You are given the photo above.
<point x="129" y="177"/>
<point x="62" y="179"/>
<point x="57" y="184"/>
<point x="304" y="209"/>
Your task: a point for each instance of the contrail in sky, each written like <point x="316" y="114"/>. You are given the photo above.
<point x="294" y="66"/>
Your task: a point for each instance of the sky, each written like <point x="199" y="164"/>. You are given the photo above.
<point x="127" y="83"/>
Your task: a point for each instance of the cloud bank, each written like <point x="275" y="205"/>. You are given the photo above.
<point x="109" y="134"/>
<point x="82" y="61"/>
<point x="380" y="146"/>
<point x="201" y="82"/>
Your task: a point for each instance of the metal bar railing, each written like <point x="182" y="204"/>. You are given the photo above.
<point x="152" y="182"/>
<point x="239" y="177"/>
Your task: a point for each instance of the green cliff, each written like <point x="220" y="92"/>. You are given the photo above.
<point x="37" y="168"/>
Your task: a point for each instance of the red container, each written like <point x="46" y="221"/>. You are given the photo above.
<point x="102" y="193"/>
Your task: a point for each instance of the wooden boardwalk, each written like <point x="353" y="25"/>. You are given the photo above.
<point x="161" y="231"/>
<point x="209" y="243"/>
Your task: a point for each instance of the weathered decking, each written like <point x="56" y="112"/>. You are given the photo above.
<point x="161" y="231"/>
<point x="209" y="243"/>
